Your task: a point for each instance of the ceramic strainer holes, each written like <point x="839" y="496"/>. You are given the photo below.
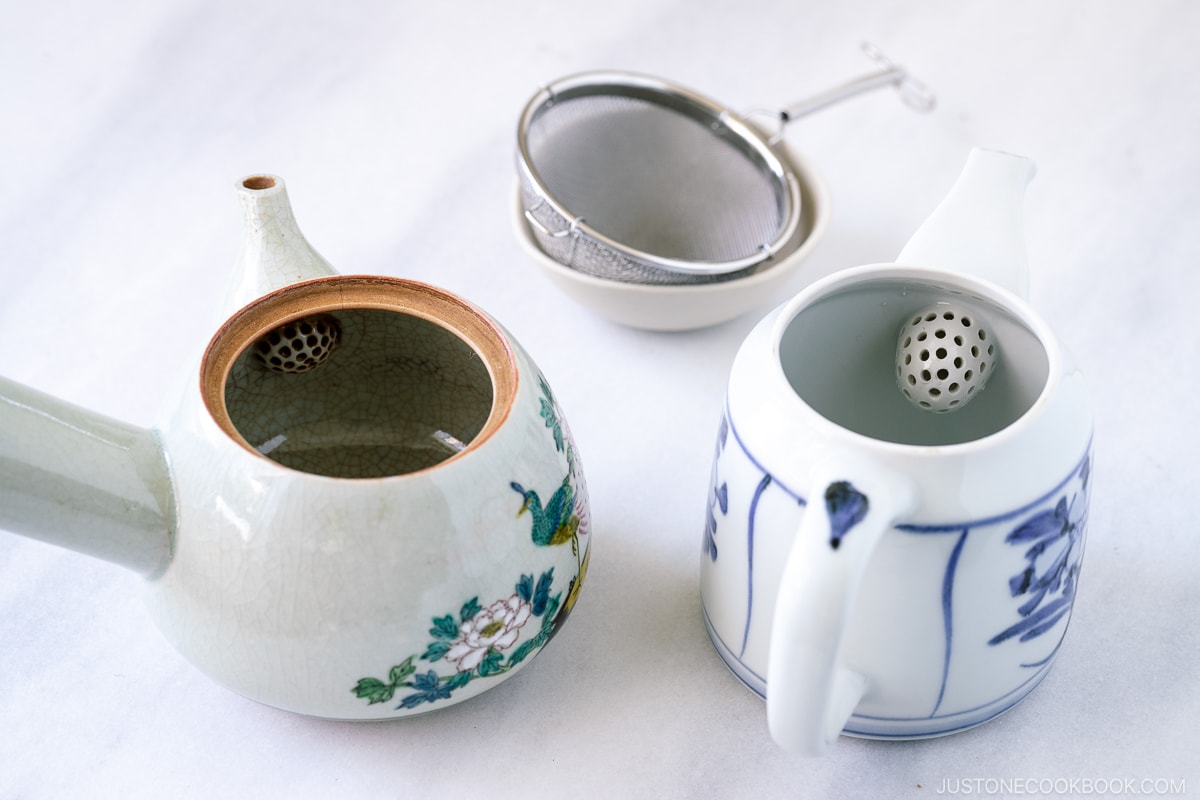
<point x="944" y="356"/>
<point x="299" y="345"/>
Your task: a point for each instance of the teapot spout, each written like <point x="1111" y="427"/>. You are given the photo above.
<point x="274" y="252"/>
<point x="979" y="229"/>
<point x="83" y="481"/>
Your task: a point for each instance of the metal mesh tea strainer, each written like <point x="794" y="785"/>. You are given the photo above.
<point x="636" y="179"/>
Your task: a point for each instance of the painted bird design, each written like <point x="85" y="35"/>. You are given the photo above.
<point x="557" y="522"/>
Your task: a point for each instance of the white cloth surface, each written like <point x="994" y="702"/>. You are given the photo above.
<point x="123" y="129"/>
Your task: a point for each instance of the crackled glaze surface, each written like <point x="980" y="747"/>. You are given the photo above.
<point x="274" y="251"/>
<point x="359" y="464"/>
<point x="396" y="394"/>
<point x="340" y="585"/>
<point x="407" y="384"/>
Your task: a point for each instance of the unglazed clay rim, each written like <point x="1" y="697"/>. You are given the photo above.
<point x="346" y="292"/>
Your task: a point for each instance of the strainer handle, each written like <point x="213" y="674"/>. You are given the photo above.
<point x="914" y="93"/>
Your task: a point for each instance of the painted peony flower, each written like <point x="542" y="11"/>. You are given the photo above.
<point x="497" y="626"/>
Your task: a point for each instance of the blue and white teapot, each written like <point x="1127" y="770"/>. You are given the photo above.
<point x="874" y="565"/>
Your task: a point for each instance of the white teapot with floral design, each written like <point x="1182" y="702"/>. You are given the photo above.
<point x="895" y="569"/>
<point x="364" y="504"/>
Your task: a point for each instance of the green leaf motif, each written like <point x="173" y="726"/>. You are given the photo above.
<point x="400" y="672"/>
<point x="444" y="627"/>
<point x="525" y="588"/>
<point x="492" y="664"/>
<point x="429" y="686"/>
<point x="541" y="595"/>
<point x="527" y="647"/>
<point x="551" y="611"/>
<point x="549" y="412"/>
<point x="374" y="690"/>
<point x="436" y="650"/>
<point x="470" y="609"/>
<point x="553" y="424"/>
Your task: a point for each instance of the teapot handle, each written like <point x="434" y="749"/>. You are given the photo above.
<point x="811" y="692"/>
<point x="978" y="229"/>
<point x="77" y="479"/>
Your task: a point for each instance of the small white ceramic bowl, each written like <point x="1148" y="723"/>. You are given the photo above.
<point x="687" y="306"/>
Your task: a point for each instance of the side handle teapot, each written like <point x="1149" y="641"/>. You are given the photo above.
<point x="364" y="503"/>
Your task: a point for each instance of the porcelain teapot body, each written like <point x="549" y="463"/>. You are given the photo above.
<point x="875" y="568"/>
<point x="364" y="503"/>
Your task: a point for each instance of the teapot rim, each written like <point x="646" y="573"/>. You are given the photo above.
<point x="981" y="288"/>
<point x="360" y="292"/>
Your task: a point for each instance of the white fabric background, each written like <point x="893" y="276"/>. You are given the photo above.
<point x="123" y="128"/>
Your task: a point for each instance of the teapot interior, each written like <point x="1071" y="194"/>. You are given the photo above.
<point x="397" y="394"/>
<point x="403" y="382"/>
<point x="839" y="355"/>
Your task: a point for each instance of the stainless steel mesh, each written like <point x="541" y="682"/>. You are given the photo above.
<point x="651" y="184"/>
<point x="632" y="178"/>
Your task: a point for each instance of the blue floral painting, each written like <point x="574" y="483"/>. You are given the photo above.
<point x="1053" y="539"/>
<point x="1049" y="532"/>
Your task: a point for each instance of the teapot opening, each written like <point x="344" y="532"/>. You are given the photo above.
<point x="259" y="182"/>
<point x="839" y="354"/>
<point x="398" y="377"/>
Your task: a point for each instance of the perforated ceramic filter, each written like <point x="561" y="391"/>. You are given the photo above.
<point x="944" y="357"/>
<point x="299" y="345"/>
